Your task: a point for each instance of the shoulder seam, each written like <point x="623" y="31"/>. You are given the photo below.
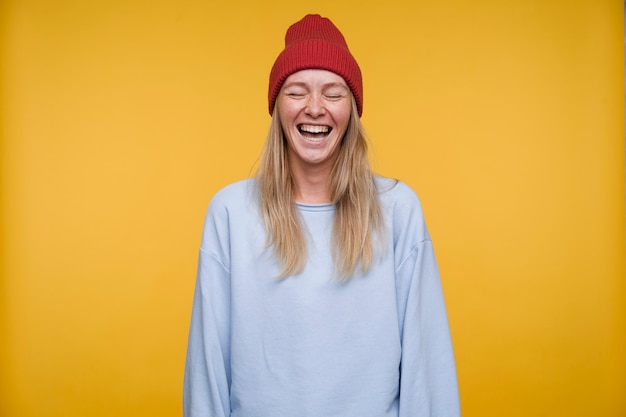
<point x="414" y="248"/>
<point x="218" y="260"/>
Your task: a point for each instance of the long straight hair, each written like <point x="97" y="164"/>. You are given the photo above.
<point x="353" y="191"/>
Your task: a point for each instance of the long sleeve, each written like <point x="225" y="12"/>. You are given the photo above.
<point x="428" y="383"/>
<point x="207" y="369"/>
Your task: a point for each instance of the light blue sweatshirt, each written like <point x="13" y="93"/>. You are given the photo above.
<point x="310" y="345"/>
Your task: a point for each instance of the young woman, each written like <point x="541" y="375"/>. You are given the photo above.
<point x="318" y="293"/>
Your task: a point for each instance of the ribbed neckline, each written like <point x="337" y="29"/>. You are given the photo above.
<point x="315" y="207"/>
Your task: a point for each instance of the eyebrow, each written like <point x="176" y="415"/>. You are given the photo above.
<point x="304" y="84"/>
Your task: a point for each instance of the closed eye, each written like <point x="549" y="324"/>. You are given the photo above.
<point x="335" y="92"/>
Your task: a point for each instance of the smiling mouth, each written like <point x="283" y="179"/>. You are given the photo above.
<point x="314" y="131"/>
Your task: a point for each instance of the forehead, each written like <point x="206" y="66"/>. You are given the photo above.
<point x="315" y="77"/>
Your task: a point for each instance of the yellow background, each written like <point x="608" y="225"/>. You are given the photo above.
<point x="120" y="119"/>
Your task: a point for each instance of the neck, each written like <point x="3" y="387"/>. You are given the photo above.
<point x="311" y="183"/>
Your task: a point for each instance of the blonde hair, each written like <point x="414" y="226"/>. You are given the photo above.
<point x="353" y="191"/>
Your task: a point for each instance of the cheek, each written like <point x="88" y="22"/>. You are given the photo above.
<point x="287" y="109"/>
<point x="285" y="120"/>
<point x="343" y="118"/>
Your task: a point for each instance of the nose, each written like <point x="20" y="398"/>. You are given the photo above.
<point x="315" y="106"/>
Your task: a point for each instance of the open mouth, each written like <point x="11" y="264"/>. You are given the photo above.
<point x="314" y="131"/>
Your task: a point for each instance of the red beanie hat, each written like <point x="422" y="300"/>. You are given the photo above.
<point x="315" y="43"/>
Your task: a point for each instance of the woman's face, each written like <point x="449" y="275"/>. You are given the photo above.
<point x="314" y="108"/>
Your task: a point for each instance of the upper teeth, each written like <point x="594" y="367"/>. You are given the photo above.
<point x="314" y="129"/>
